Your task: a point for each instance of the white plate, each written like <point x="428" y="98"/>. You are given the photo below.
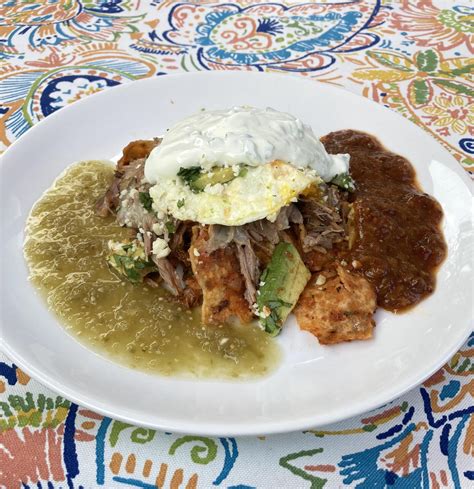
<point x="314" y="385"/>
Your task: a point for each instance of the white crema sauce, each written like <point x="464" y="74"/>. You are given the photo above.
<point x="241" y="135"/>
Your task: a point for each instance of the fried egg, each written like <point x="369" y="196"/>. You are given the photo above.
<point x="281" y="155"/>
<point x="261" y="193"/>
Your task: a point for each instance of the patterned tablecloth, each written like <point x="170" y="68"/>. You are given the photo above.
<point x="414" y="57"/>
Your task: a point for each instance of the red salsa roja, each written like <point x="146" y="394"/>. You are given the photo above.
<point x="398" y="243"/>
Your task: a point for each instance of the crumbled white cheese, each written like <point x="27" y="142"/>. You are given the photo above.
<point x="216" y="189"/>
<point x="236" y="170"/>
<point x="160" y="248"/>
<point x="266" y="311"/>
<point x="158" y="228"/>
<point x="321" y="280"/>
<point x="114" y="246"/>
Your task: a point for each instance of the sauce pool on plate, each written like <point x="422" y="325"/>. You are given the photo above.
<point x="134" y="325"/>
<point x="399" y="244"/>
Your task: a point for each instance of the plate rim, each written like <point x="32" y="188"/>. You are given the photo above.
<point x="270" y="428"/>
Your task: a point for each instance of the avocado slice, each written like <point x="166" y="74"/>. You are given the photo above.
<point x="197" y="179"/>
<point x="282" y="283"/>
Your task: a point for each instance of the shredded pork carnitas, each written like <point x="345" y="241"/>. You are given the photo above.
<point x="220" y="266"/>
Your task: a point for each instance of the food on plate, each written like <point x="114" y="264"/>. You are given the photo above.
<point x="397" y="243"/>
<point x="241" y="216"/>
<point x="233" y="167"/>
<point x="68" y="250"/>
<point x="338" y="306"/>
<point x="281" y="285"/>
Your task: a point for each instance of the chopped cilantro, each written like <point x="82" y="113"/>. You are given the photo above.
<point x="130" y="267"/>
<point x="180" y="203"/>
<point x="273" y="323"/>
<point x="190" y="174"/>
<point x="132" y="275"/>
<point x="344" y="181"/>
<point x="170" y="227"/>
<point x="146" y="200"/>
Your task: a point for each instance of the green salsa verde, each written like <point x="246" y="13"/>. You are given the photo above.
<point x="133" y="324"/>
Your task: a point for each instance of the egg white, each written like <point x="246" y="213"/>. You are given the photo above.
<point x="261" y="193"/>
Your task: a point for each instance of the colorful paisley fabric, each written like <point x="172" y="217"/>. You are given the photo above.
<point x="414" y="57"/>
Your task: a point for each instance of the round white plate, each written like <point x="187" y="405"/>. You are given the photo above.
<point x="315" y="384"/>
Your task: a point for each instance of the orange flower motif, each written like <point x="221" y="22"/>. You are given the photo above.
<point x="442" y="29"/>
<point x="30" y="457"/>
<point x="452" y="112"/>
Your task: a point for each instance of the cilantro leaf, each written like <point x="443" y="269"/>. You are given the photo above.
<point x="190" y="174"/>
<point x="344" y="181"/>
<point x="146" y="200"/>
<point x="170" y="227"/>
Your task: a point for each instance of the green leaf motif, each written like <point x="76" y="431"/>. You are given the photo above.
<point x="142" y="435"/>
<point x="392" y="61"/>
<point x="419" y="92"/>
<point x="199" y="454"/>
<point x="316" y="482"/>
<point x="465" y="70"/>
<point x="117" y="428"/>
<point x="455" y="87"/>
<point x="27" y="410"/>
<point x="138" y="435"/>
<point x="427" y="60"/>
